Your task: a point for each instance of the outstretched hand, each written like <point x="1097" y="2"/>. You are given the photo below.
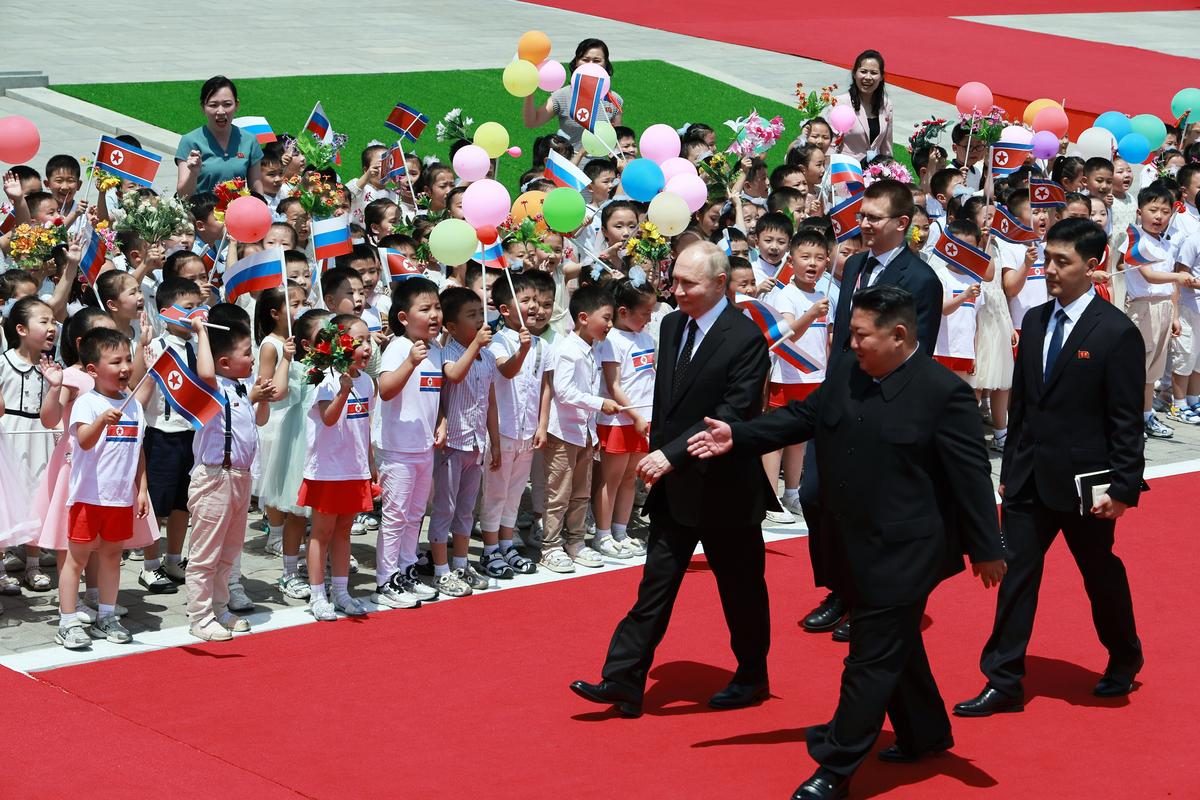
<point x="716" y="440"/>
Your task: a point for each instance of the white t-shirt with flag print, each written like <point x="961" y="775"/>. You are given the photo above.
<point x="342" y="451"/>
<point x="814" y="342"/>
<point x="104" y="475"/>
<point x="634" y="351"/>
<point x="409" y="419"/>
<point x="1033" y="292"/>
<point x="956" y="335"/>
<point x="1153" y="247"/>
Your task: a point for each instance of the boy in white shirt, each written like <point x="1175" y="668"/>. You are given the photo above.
<point x="1185" y="348"/>
<point x="773" y="235"/>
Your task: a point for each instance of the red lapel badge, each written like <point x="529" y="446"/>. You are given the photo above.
<point x="1083" y="354"/>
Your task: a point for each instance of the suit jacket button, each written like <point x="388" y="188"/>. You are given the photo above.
<point x="860" y="418"/>
<point x="850" y="452"/>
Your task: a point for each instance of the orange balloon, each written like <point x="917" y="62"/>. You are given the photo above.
<point x="534" y="47"/>
<point x="1033" y="108"/>
<point x="527" y="206"/>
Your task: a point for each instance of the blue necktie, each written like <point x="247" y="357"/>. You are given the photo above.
<point x="1056" y="342"/>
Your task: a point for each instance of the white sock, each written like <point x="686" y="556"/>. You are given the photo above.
<point x="1180" y="403"/>
<point x="505" y="545"/>
<point x="65" y="619"/>
<point x="602" y="533"/>
<point x="440" y="569"/>
<point x="1001" y="433"/>
<point x="1192" y="399"/>
<point x="33" y="562"/>
<point x="92" y="597"/>
<point x="340" y="587"/>
<point x="106" y="610"/>
<point x="488" y="549"/>
<point x="618" y="531"/>
<point x="151" y="564"/>
<point x="316" y="592"/>
<point x="792" y="494"/>
<point x="173" y="558"/>
<point x="1146" y="415"/>
<point x="289" y="565"/>
<point x="274" y="533"/>
<point x="459" y="562"/>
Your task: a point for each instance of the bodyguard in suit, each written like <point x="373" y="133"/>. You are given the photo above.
<point x="1076" y="408"/>
<point x="905" y="491"/>
<point x="712" y="362"/>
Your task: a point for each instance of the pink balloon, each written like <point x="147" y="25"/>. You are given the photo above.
<point x="659" y="142"/>
<point x="691" y="188"/>
<point x="514" y="151"/>
<point x="247" y="219"/>
<point x="485" y="202"/>
<point x="1045" y="145"/>
<point x="974" y="97"/>
<point x="1052" y="119"/>
<point x="471" y="163"/>
<point x="596" y="71"/>
<point x="19" y="140"/>
<point x="551" y="75"/>
<point x="677" y="166"/>
<point x="842" y="118"/>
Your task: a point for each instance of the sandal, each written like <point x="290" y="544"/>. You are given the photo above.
<point x="37" y="580"/>
<point x="518" y="562"/>
<point x="9" y="585"/>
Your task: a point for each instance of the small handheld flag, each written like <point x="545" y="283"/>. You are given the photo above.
<point x="562" y="172"/>
<point x="331" y="237"/>
<point x="1045" y="193"/>
<point x="587" y="93"/>
<point x="178" y="315"/>
<point x="93" y="258"/>
<point x="724" y="243"/>
<point x="1010" y="229"/>
<point x="8" y="220"/>
<point x="192" y="398"/>
<point x="785" y="274"/>
<point x="318" y="124"/>
<point x="847" y="171"/>
<point x="491" y="256"/>
<point x="126" y="161"/>
<point x="392" y="166"/>
<point x="962" y="257"/>
<point x="845" y="218"/>
<point x="407" y="121"/>
<point x="262" y="270"/>
<point x="397" y="265"/>
<point x="258" y="127"/>
<point x="211" y="259"/>
<point x="1008" y="157"/>
<point x="768" y="320"/>
<point x="1136" y="251"/>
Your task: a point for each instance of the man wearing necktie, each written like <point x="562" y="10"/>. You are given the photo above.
<point x="1076" y="409"/>
<point x="713" y="362"/>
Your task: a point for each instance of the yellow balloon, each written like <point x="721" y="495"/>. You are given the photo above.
<point x="520" y="78"/>
<point x="670" y="213"/>
<point x="493" y="138"/>
<point x="1033" y="108"/>
<point x="594" y="142"/>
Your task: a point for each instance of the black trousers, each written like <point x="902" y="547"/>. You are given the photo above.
<point x="1029" y="529"/>
<point x="737" y="557"/>
<point x="887" y="671"/>
<point x="810" y="506"/>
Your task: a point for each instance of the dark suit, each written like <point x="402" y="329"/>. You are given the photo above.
<point x="719" y="503"/>
<point x="905" y="491"/>
<point x="1086" y="417"/>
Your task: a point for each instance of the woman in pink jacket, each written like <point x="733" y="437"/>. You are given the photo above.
<point x="872" y="132"/>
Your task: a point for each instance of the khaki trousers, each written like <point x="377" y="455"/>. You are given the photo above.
<point x="218" y="501"/>
<point x="568" y="488"/>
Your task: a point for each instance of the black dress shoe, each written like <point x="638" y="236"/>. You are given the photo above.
<point x="1117" y="681"/>
<point x="740" y="695"/>
<point x="627" y="701"/>
<point x="988" y="702"/>
<point x="842" y="632"/>
<point x="823" y="785"/>
<point x="826" y="616"/>
<point x="899" y="755"/>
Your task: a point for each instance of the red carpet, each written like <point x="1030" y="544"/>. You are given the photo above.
<point x="472" y="696"/>
<point x="932" y="53"/>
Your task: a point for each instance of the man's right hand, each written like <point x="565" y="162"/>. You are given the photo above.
<point x="717" y="440"/>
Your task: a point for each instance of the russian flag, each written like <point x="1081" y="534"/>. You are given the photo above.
<point x="407" y="121"/>
<point x="393" y="166"/>
<point x="192" y="398"/>
<point x="7" y="220"/>
<point x="962" y="257"/>
<point x="723" y="242"/>
<point x="1010" y="229"/>
<point x="263" y="270"/>
<point x="1045" y="193"/>
<point x="258" y="126"/>
<point x="1135" y="251"/>
<point x="643" y="360"/>
<point x="789" y="352"/>
<point x="768" y="320"/>
<point x="1008" y="157"/>
<point x="93" y="258"/>
<point x="846" y="170"/>
<point x="126" y="161"/>
<point x="397" y="265"/>
<point x="562" y="172"/>
<point x="845" y="217"/>
<point x="318" y="123"/>
<point x="331" y="237"/>
<point x="491" y="256"/>
<point x="587" y="93"/>
<point x="430" y="381"/>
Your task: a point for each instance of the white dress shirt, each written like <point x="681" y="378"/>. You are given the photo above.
<point x="1074" y="311"/>
<point x="208" y="448"/>
<point x="576" y="397"/>
<point x="704" y="323"/>
<point x="884" y="259"/>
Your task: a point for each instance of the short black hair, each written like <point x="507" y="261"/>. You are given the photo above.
<point x="175" y="261"/>
<point x="809" y="236"/>
<point x="597" y="167"/>
<point x="404" y="294"/>
<point x="62" y="163"/>
<point x="24" y="172"/>
<point x="1153" y="192"/>
<point x="202" y="205"/>
<point x="542" y="282"/>
<point x="222" y="342"/>
<point x="940" y="182"/>
<point x="739" y="262"/>
<point x="774" y="221"/>
<point x="358" y="252"/>
<point x="781" y="199"/>
<point x="923" y="154"/>
<point x="295" y="257"/>
<point x="454" y="300"/>
<point x="783" y="172"/>
<point x="1088" y="238"/>
<point x="964" y="227"/>
<point x="173" y="288"/>
<point x="96" y="341"/>
<point x="502" y="295"/>
<point x="587" y="299"/>
<point x="890" y="304"/>
<point x="1095" y="164"/>
<point x="229" y="314"/>
<point x="332" y="279"/>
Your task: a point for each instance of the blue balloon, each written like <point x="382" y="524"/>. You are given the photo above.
<point x="642" y="179"/>
<point x="1115" y="123"/>
<point x="1134" y="148"/>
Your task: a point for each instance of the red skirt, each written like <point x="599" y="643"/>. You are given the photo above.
<point x="784" y="393"/>
<point x="336" y="497"/>
<point x="621" y="439"/>
<point x="86" y="522"/>
<point x="956" y="363"/>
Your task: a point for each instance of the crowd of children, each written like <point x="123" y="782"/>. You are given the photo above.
<point x="468" y="385"/>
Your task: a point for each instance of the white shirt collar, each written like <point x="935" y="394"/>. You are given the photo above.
<point x="887" y="257"/>
<point x="1076" y="307"/>
<point x="706" y="320"/>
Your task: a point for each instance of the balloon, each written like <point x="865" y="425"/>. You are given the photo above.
<point x="486" y="202"/>
<point x="563" y="209"/>
<point x="1151" y="127"/>
<point x="842" y="118"/>
<point x="670" y="213"/>
<point x="602" y="142"/>
<point x="1186" y="101"/>
<point x="677" y="166"/>
<point x="551" y="75"/>
<point x="1045" y="145"/>
<point x="514" y="151"/>
<point x="487" y="234"/>
<point x="520" y="78"/>
<point x="528" y="205"/>
<point x="1115" y="123"/>
<point x="1015" y="134"/>
<point x="247" y="219"/>
<point x="1033" y="108"/>
<point x="1052" y="119"/>
<point x="533" y="47"/>
<point x="471" y="163"/>
<point x="1096" y="143"/>
<point x="973" y="98"/>
<point x="453" y="242"/>
<point x="19" y="140"/>
<point x="642" y="179"/>
<point x="493" y="138"/>
<point x="1134" y="148"/>
<point x="691" y="188"/>
<point x="659" y="142"/>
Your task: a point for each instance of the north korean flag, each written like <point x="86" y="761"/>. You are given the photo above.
<point x="785" y="274"/>
<point x="126" y="161"/>
<point x="1008" y="157"/>
<point x="123" y="432"/>
<point x="1045" y="193"/>
<point x="407" y="121"/>
<point x="587" y="93"/>
<point x="392" y="166"/>
<point x="192" y="398"/>
<point x="845" y="218"/>
<point x="430" y="381"/>
<point x="358" y="408"/>
<point x="642" y="360"/>
<point x="397" y="265"/>
<point x="962" y="257"/>
<point x="1010" y="229"/>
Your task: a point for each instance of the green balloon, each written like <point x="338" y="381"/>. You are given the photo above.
<point x="1186" y="101"/>
<point x="1151" y="127"/>
<point x="563" y="209"/>
<point x="603" y="142"/>
<point x="452" y="242"/>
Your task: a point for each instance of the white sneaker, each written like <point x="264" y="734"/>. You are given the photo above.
<point x="358" y="528"/>
<point x="557" y="561"/>
<point x="389" y="597"/>
<point x="350" y="606"/>
<point x="234" y="623"/>
<point x="137" y="555"/>
<point x="238" y="599"/>
<point x="73" y="638"/>
<point x="792" y="505"/>
<point x="294" y="586"/>
<point x="451" y="584"/>
<point x="610" y="547"/>
<point x="780" y="518"/>
<point x="112" y="630"/>
<point x="274" y="546"/>
<point x="635" y="547"/>
<point x="587" y="557"/>
<point x="323" y="610"/>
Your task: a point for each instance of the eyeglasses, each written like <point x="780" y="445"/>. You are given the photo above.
<point x="871" y="218"/>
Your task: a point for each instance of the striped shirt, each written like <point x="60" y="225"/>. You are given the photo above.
<point x="466" y="402"/>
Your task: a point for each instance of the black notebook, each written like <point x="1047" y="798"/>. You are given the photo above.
<point x="1090" y="486"/>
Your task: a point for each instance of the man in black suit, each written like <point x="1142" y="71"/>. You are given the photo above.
<point x="885" y="260"/>
<point x="1076" y="408"/>
<point x="712" y="362"/>
<point x="905" y="490"/>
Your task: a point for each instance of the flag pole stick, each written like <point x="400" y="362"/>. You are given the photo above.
<point x="134" y="390"/>
<point x="412" y="192"/>
<point x="618" y="156"/>
<point x="516" y="305"/>
<point x="287" y="303"/>
<point x="217" y="258"/>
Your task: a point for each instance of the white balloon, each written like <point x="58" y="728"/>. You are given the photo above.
<point x="1097" y="143"/>
<point x="670" y="213"/>
<point x="1015" y="134"/>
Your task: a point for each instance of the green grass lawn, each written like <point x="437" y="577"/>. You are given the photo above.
<point x="654" y="91"/>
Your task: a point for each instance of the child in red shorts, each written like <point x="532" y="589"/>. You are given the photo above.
<point x="107" y="486"/>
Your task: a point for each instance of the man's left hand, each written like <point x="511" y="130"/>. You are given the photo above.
<point x="1108" y="508"/>
<point x="990" y="572"/>
<point x="653" y="467"/>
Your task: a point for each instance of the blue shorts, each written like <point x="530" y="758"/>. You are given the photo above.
<point x="169" y="463"/>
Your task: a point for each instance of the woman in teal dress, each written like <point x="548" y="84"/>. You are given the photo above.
<point x="218" y="150"/>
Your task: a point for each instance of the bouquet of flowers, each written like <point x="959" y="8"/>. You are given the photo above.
<point x="33" y="245"/>
<point x="319" y="155"/>
<point x="720" y="171"/>
<point x="320" y="198"/>
<point x="525" y="231"/>
<point x="153" y="219"/>
<point x="454" y="127"/>
<point x="105" y="232"/>
<point x="753" y="135"/>
<point x="104" y="180"/>
<point x="226" y="193"/>
<point x="986" y="128"/>
<point x="886" y="169"/>
<point x="648" y="245"/>
<point x="332" y="349"/>
<point x="926" y="133"/>
<point x="812" y="104"/>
